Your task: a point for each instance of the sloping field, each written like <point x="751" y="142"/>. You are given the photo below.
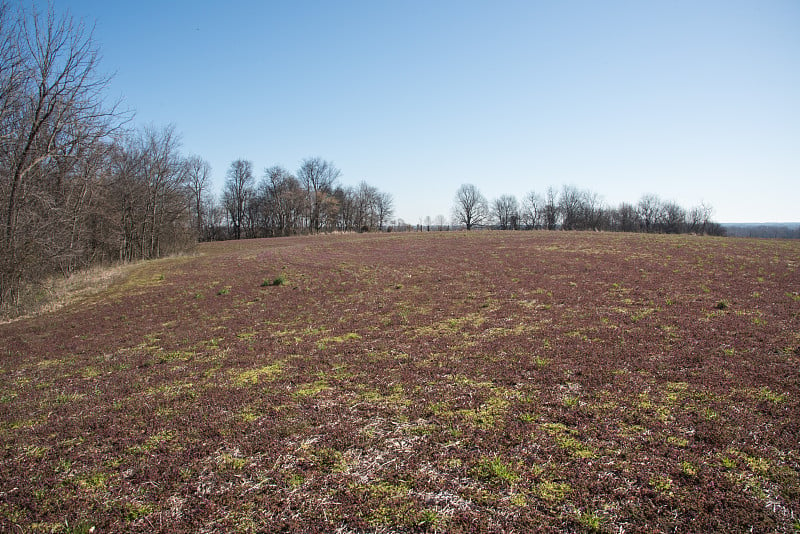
<point x="456" y="382"/>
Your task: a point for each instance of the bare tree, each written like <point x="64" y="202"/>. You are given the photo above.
<point x="164" y="172"/>
<point x="53" y="115"/>
<point x="285" y="200"/>
<point x="650" y="211"/>
<point x="148" y="193"/>
<point x="470" y="207"/>
<point x="319" y="178"/>
<point x="237" y="193"/>
<point x="505" y="211"/>
<point x="570" y="205"/>
<point x="198" y="174"/>
<point x="699" y="218"/>
<point x="366" y="198"/>
<point x="550" y="211"/>
<point x="673" y="218"/>
<point x="593" y="213"/>
<point x="626" y="218"/>
<point x="532" y="212"/>
<point x="384" y="208"/>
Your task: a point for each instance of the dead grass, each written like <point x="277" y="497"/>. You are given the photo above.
<point x="59" y="291"/>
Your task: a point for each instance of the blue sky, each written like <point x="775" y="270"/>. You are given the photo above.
<point x="691" y="100"/>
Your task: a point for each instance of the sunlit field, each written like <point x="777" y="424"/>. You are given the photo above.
<point x="431" y="382"/>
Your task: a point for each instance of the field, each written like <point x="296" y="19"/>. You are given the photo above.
<point x="443" y="382"/>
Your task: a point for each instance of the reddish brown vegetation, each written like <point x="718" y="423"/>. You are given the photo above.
<point x="481" y="382"/>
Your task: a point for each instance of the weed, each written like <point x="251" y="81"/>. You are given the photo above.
<point x="34" y="451"/>
<point x="152" y="442"/>
<point x="553" y="492"/>
<point x="688" y="468"/>
<point x="494" y="470"/>
<point x="541" y="362"/>
<point x="249" y="377"/>
<point x="136" y="510"/>
<point x="663" y="484"/>
<point x="591" y="521"/>
<point x="295" y="481"/>
<point x="311" y="390"/>
<point x="429" y="519"/>
<point x="527" y="417"/>
<point x="82" y="527"/>
<point x="248" y="415"/>
<point x="766" y="394"/>
<point x="229" y="461"/>
<point x="678" y="442"/>
<point x="570" y="401"/>
<point x="224" y="291"/>
<point x="97" y="480"/>
<point x="518" y="499"/>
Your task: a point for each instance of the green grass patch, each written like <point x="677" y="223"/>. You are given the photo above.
<point x="250" y="377"/>
<point x="495" y="470"/>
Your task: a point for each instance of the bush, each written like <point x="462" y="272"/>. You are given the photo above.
<point x="278" y="281"/>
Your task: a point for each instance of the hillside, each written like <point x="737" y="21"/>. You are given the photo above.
<point x="447" y="382"/>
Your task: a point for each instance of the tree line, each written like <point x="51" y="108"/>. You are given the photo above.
<point x="573" y="208"/>
<point x="281" y="203"/>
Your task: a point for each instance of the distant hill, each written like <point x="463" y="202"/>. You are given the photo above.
<point x="768" y="230"/>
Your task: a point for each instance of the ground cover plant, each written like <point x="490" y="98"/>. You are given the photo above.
<point x="444" y="382"/>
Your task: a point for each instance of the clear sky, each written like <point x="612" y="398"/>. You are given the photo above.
<point x="691" y="100"/>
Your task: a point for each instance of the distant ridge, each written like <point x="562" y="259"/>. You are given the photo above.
<point x="785" y="230"/>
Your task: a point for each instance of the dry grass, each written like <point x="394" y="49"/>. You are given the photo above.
<point x="59" y="291"/>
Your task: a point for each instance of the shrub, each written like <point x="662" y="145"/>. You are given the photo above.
<point x="278" y="281"/>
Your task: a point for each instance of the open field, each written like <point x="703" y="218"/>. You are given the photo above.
<point x="455" y="382"/>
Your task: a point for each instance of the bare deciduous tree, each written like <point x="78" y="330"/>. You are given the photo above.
<point x="649" y="211"/>
<point x="699" y="218"/>
<point x="550" y="212"/>
<point x="470" y="207"/>
<point x="505" y="211"/>
<point x="198" y="174"/>
<point x="384" y="208"/>
<point x="237" y="193"/>
<point x="673" y="218"/>
<point x="319" y="178"/>
<point x="532" y="213"/>
<point x="284" y="201"/>
<point x="570" y="205"/>
<point x="53" y="117"/>
<point x="626" y="218"/>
